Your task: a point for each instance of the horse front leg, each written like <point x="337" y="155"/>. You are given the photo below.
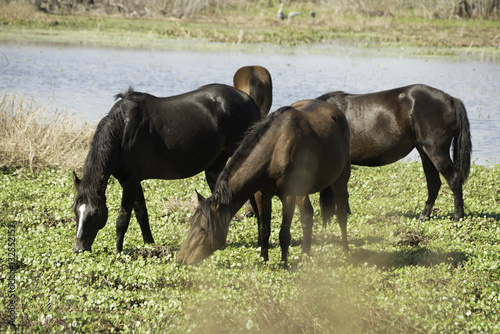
<point x="213" y="171"/>
<point x="255" y="210"/>
<point x="141" y="214"/>
<point x="306" y="220"/>
<point x="129" y="196"/>
<point x="264" y="209"/>
<point x="342" y="203"/>
<point x="285" y="236"/>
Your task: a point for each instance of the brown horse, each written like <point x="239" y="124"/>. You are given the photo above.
<point x="256" y="82"/>
<point x="386" y="126"/>
<point x="295" y="151"/>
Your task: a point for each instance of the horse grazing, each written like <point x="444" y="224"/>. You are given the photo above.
<point x="295" y="151"/>
<point x="146" y="137"/>
<point x="256" y="82"/>
<point x="386" y="126"/>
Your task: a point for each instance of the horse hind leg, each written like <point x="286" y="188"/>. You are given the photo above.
<point x="433" y="184"/>
<point x="141" y="214"/>
<point x="445" y="166"/>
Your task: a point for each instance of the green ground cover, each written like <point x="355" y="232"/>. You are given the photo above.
<point x="449" y="282"/>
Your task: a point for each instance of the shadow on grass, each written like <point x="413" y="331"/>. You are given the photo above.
<point x="487" y="215"/>
<point x="415" y="256"/>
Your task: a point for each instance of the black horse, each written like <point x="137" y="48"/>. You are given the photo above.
<point x="146" y="137"/>
<point x="386" y="126"/>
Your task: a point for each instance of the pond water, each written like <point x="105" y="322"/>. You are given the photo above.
<point x="84" y="80"/>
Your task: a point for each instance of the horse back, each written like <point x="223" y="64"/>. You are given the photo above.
<point x="313" y="147"/>
<point x="315" y="108"/>
<point x="179" y="136"/>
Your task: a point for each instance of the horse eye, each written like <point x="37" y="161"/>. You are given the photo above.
<point x="204" y="228"/>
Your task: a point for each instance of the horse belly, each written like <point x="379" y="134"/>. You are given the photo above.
<point x="313" y="171"/>
<point x="178" y="162"/>
<point x="370" y="152"/>
<point x="381" y="131"/>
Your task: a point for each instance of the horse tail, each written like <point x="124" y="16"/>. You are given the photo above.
<point x="462" y="145"/>
<point x="327" y="204"/>
<point x="256" y="93"/>
<point x="261" y="89"/>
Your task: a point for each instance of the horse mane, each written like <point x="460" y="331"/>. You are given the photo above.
<point x="221" y="190"/>
<point x="106" y="139"/>
<point x="336" y="98"/>
<point x="131" y="95"/>
<point x="252" y="136"/>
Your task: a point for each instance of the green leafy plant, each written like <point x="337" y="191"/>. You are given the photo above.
<point x="447" y="282"/>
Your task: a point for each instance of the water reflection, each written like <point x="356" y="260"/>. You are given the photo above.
<point x="86" y="79"/>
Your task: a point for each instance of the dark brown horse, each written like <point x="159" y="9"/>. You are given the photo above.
<point x="386" y="126"/>
<point x="295" y="151"/>
<point x="146" y="137"/>
<point x="256" y="82"/>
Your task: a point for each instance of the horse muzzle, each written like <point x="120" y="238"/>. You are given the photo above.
<point x="80" y="246"/>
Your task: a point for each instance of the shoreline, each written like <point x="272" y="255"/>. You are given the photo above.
<point x="86" y="39"/>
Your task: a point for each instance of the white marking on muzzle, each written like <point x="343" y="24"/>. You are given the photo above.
<point x="80" y="223"/>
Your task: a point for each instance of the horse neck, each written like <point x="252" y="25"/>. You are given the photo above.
<point x="245" y="180"/>
<point x="102" y="159"/>
<point x="246" y="171"/>
<point x="94" y="183"/>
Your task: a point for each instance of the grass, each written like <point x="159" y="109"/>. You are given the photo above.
<point x="447" y="283"/>
<point x="386" y="283"/>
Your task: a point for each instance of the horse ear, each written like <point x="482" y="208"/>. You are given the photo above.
<point x="217" y="199"/>
<point x="199" y="197"/>
<point x="76" y="180"/>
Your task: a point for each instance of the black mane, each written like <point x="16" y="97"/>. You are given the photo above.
<point x="249" y="141"/>
<point x="105" y="142"/>
<point x="131" y="95"/>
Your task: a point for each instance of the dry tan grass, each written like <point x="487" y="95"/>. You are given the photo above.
<point x="34" y="137"/>
<point x="19" y="9"/>
<point x="427" y="9"/>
